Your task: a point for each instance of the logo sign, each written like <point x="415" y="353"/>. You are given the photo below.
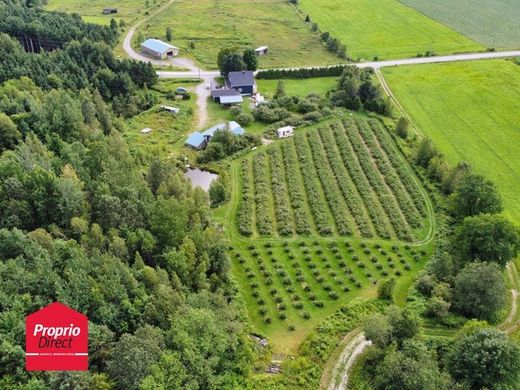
<point x="56" y="338"/>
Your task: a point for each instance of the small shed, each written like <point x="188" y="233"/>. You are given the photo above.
<point x="109" y="11"/>
<point x="284" y="132"/>
<point x="261" y="51"/>
<point x="159" y="49"/>
<point x="231" y="100"/>
<point x="172" y="110"/>
<point x="146" y="130"/>
<point x="197" y="141"/>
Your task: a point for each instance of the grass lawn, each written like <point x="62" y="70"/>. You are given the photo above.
<point x="470" y="110"/>
<point x="168" y="131"/>
<point x="300" y="87"/>
<point x="91" y="10"/>
<point x="213" y="24"/>
<point x="491" y="22"/>
<point x="384" y="28"/>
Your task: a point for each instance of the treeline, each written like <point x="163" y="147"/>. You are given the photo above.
<point x="356" y="89"/>
<point x="53" y="28"/>
<point x="301" y="73"/>
<point x="74" y="67"/>
<point x="463" y="281"/>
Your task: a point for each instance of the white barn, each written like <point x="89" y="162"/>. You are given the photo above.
<point x="284" y="132"/>
<point x="159" y="49"/>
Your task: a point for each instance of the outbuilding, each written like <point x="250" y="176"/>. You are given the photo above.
<point x="261" y="51"/>
<point x="231" y="100"/>
<point x="197" y="141"/>
<point x="109" y="11"/>
<point x="146" y="130"/>
<point x="284" y="132"/>
<point x="234" y="127"/>
<point x="172" y="110"/>
<point x="159" y="49"/>
<point x="242" y="81"/>
<point x="217" y="94"/>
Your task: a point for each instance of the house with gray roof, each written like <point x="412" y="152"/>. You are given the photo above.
<point x="242" y="81"/>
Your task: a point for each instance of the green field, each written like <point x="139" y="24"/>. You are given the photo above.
<point x="301" y="247"/>
<point x="213" y="24"/>
<point x="91" y="10"/>
<point x="384" y="28"/>
<point x="300" y="87"/>
<point x="471" y="112"/>
<point x="168" y="131"/>
<point x="491" y="22"/>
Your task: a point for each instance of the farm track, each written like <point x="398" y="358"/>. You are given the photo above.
<point x="512" y="323"/>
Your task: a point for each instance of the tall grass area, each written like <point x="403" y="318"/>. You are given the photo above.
<point x="384" y="28"/>
<point x="92" y="10"/>
<point x="470" y="110"/>
<point x="213" y="24"/>
<point x="491" y="22"/>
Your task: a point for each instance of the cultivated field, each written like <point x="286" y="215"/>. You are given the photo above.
<point x="290" y="287"/>
<point x="384" y="28"/>
<point x="471" y="111"/>
<point x="91" y="10"/>
<point x="307" y="223"/>
<point x="299" y="87"/>
<point x="343" y="179"/>
<point x="213" y="24"/>
<point x="491" y="22"/>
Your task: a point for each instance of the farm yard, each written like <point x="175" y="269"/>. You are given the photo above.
<point x="470" y="111"/>
<point x="343" y="179"/>
<point x="211" y="25"/>
<point x="493" y="23"/>
<point x="384" y="28"/>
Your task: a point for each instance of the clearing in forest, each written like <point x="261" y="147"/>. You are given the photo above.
<point x="384" y="28"/>
<point x="470" y="111"/>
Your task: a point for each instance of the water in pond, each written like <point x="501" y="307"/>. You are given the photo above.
<point x="200" y="178"/>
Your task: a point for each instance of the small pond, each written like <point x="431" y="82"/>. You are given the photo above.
<point x="200" y="178"/>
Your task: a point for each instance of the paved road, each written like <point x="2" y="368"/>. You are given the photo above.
<point x="375" y="64"/>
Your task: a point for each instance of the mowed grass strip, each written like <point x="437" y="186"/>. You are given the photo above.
<point x="300" y="87"/>
<point x="384" y="28"/>
<point x="491" y="22"/>
<point x="471" y="112"/>
<point x="213" y="24"/>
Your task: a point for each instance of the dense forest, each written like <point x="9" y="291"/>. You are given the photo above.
<point x="82" y="223"/>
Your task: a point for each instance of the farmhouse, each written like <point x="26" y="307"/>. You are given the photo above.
<point x="261" y="51"/>
<point x="284" y="132"/>
<point x="159" y="49"/>
<point x="108" y="11"/>
<point x="218" y="94"/>
<point x="242" y="81"/>
<point x="172" y="110"/>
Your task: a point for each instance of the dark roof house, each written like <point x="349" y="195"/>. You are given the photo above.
<point x="242" y="81"/>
